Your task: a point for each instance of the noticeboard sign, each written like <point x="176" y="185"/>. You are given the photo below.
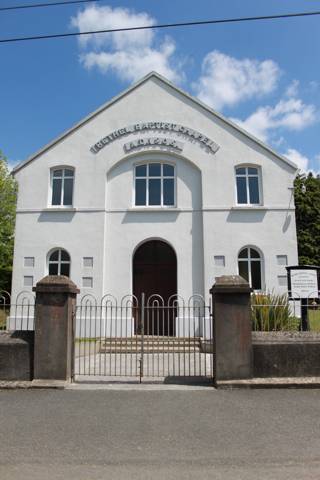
<point x="303" y="282"/>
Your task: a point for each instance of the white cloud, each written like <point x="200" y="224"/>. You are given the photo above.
<point x="296" y="157"/>
<point x="130" y="55"/>
<point x="226" y="80"/>
<point x="292" y="89"/>
<point x="12" y="163"/>
<point x="291" y="114"/>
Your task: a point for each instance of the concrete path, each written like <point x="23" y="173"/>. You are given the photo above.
<point x="154" y="365"/>
<point x="205" y="433"/>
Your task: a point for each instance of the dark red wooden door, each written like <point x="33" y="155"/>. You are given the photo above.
<point x="155" y="273"/>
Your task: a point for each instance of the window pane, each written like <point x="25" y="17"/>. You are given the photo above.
<point x="168" y="191"/>
<point x="65" y="256"/>
<point x="57" y="173"/>
<point x="243" y="253"/>
<point x="88" y="262"/>
<point x="168" y="170"/>
<point x="252" y="171"/>
<point x="254" y="189"/>
<point x="140" y="192"/>
<point x="219" y="260"/>
<point x="53" y="269"/>
<point x="154" y="169"/>
<point x="256" y="275"/>
<point x="28" y="281"/>
<point x="155" y="192"/>
<point x="141" y="171"/>
<point x="67" y="192"/>
<point x="87" y="282"/>
<point x="241" y="190"/>
<point x="243" y="270"/>
<point x="56" y="191"/>
<point x="54" y="257"/>
<point x="68" y="173"/>
<point x="65" y="269"/>
<point x="282" y="259"/>
<point x="241" y="171"/>
<point x="29" y="261"/>
<point x="254" y="253"/>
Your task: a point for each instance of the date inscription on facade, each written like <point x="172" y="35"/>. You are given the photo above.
<point x="153" y="141"/>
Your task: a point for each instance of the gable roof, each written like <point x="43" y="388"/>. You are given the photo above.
<point x="129" y="90"/>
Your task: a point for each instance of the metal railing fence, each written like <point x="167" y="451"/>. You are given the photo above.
<point x="17" y="313"/>
<point x="150" y="338"/>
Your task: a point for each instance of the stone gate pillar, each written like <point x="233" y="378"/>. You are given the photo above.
<point x="54" y="331"/>
<point x="232" y="328"/>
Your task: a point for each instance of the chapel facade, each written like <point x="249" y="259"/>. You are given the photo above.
<point x="155" y="193"/>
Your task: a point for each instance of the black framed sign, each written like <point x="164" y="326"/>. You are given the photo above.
<point x="303" y="281"/>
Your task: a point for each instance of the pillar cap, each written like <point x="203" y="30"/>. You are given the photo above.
<point x="56" y="284"/>
<point x="231" y="284"/>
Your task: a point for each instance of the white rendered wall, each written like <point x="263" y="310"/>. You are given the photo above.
<point x="103" y="223"/>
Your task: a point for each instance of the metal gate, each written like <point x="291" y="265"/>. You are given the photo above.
<point x="146" y="339"/>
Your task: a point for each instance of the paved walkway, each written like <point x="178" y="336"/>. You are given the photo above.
<point x="154" y="365"/>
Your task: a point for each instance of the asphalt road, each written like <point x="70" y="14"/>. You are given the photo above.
<point x="104" y="434"/>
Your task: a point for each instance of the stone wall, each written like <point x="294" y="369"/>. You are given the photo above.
<point x="16" y="355"/>
<point x="286" y="354"/>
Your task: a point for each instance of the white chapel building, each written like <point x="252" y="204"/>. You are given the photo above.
<point x="155" y="192"/>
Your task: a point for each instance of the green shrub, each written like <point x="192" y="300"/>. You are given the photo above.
<point x="3" y="318"/>
<point x="272" y="312"/>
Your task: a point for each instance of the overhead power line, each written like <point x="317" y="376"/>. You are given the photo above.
<point x="166" y="25"/>
<point x="41" y="5"/>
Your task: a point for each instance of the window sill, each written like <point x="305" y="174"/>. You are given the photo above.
<point x="249" y="207"/>
<point x="59" y="209"/>
<point x="154" y="209"/>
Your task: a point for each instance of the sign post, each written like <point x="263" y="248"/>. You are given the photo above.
<point x="303" y="284"/>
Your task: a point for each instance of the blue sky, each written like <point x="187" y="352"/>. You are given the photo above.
<point x="264" y="75"/>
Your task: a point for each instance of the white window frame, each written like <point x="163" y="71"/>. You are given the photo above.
<point x="59" y="262"/>
<point x="247" y="175"/>
<point x="161" y="177"/>
<point x="63" y="177"/>
<point x="250" y="259"/>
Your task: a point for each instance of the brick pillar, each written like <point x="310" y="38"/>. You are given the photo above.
<point x="54" y="332"/>
<point x="232" y="328"/>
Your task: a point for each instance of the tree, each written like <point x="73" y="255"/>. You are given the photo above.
<point x="307" y="200"/>
<point x="8" y="197"/>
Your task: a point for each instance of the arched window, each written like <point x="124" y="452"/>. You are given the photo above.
<point x="249" y="264"/>
<point x="155" y="185"/>
<point x="248" y="186"/>
<point x="59" y="262"/>
<point x="62" y="186"/>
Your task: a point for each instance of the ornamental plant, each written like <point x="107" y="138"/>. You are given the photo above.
<point x="272" y="312"/>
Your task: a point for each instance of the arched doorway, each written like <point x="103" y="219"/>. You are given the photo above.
<point x="155" y="272"/>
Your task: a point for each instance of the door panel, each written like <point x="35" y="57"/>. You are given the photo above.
<point x="155" y="273"/>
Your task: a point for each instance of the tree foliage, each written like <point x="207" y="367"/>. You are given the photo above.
<point x="8" y="196"/>
<point x="307" y="201"/>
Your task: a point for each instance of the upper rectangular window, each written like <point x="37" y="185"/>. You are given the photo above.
<point x="62" y="186"/>
<point x="248" y="186"/>
<point x="155" y="185"/>
<point x="29" y="261"/>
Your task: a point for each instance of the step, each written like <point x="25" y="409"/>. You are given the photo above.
<point x="129" y="350"/>
<point x="151" y="344"/>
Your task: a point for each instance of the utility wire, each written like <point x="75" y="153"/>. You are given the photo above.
<point x="52" y="4"/>
<point x="166" y="25"/>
